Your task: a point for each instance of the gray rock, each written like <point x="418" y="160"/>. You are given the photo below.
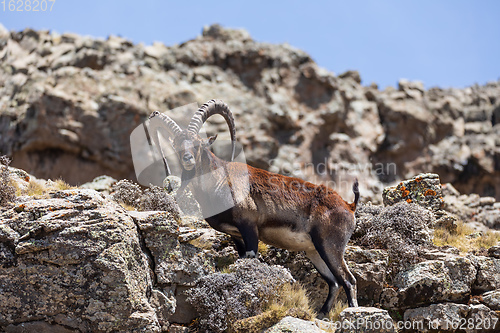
<point x="449" y="317"/>
<point x="366" y="319"/>
<point x="488" y="273"/>
<point x="436" y="317"/>
<point x="78" y="261"/>
<point x="100" y="184"/>
<point x="178" y="329"/>
<point x="177" y="265"/>
<point x="449" y="279"/>
<point x="351" y="74"/>
<point x="494" y="251"/>
<point x="369" y="267"/>
<point x="405" y="85"/>
<point x="473" y="209"/>
<point x="423" y="189"/>
<point x="492" y="299"/>
<point x="294" y="325"/>
<point x="482" y="314"/>
<point x="446" y="221"/>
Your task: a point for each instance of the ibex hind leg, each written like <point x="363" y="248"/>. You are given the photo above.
<point x="333" y="286"/>
<point x="333" y="258"/>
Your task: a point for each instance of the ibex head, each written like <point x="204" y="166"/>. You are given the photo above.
<point x="187" y="143"/>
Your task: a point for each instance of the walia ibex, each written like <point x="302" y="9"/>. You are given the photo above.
<point x="282" y="211"/>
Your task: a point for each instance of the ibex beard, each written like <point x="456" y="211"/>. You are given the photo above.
<point x="282" y="211"/>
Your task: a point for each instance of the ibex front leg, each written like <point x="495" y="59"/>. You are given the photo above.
<point x="240" y="246"/>
<point x="250" y="236"/>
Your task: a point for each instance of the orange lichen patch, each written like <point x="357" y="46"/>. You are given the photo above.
<point x="429" y="192"/>
<point x="418" y="179"/>
<point x="51" y="209"/>
<point x="408" y="200"/>
<point x="405" y="192"/>
<point x="27" y="178"/>
<point x="391" y="286"/>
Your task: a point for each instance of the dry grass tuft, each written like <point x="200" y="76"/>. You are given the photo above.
<point x="40" y="189"/>
<point x="127" y="207"/>
<point x="262" y="248"/>
<point x="292" y="296"/>
<point x="35" y="189"/>
<point x="61" y="185"/>
<point x="465" y="239"/>
<point x="289" y="300"/>
<point x="334" y="314"/>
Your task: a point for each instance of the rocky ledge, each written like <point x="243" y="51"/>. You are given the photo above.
<point x="75" y="260"/>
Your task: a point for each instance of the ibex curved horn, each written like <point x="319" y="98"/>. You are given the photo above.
<point x="209" y="109"/>
<point x="156" y="122"/>
<point x="171" y="124"/>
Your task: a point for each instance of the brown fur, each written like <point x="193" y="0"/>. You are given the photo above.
<point x="289" y="213"/>
<point x="282" y="211"/>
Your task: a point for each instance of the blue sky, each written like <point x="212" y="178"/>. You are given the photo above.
<point x="453" y="43"/>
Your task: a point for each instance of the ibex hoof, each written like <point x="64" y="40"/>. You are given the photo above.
<point x="250" y="254"/>
<point x="320" y="315"/>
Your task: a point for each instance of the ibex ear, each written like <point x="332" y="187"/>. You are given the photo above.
<point x="210" y="140"/>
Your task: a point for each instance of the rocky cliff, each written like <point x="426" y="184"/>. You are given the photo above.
<point x="68" y="104"/>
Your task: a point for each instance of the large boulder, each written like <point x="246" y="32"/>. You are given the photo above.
<point x="369" y="267"/>
<point x="177" y="265"/>
<point x="451" y="317"/>
<point x="432" y="281"/>
<point x="488" y="273"/>
<point x="423" y="189"/>
<point x="74" y="260"/>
